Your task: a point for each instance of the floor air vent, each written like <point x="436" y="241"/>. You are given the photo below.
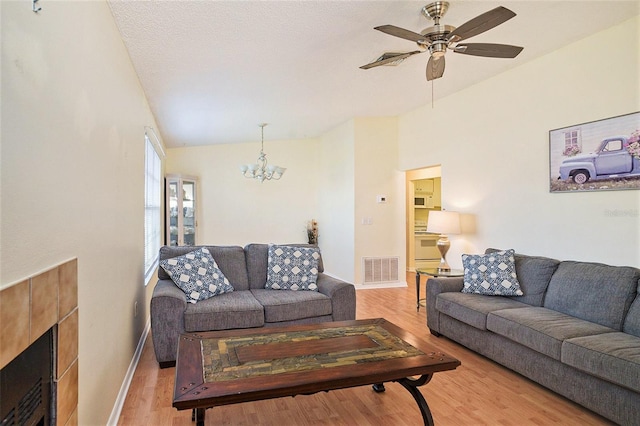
<point x="380" y="269"/>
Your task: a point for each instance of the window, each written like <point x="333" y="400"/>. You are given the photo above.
<point x="571" y="139"/>
<point x="615" y="145"/>
<point x="572" y="145"/>
<point x="152" y="203"/>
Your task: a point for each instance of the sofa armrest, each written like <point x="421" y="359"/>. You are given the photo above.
<point x="342" y="295"/>
<point x="435" y="286"/>
<point x="168" y="304"/>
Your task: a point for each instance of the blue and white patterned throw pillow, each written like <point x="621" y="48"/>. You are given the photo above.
<point x="292" y="268"/>
<point x="491" y="274"/>
<point x="197" y="274"/>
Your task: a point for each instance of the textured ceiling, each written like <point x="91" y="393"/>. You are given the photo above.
<point x="213" y="70"/>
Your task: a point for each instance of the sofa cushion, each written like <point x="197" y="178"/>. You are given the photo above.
<point x="593" y="292"/>
<point x="491" y="274"/>
<point x="238" y="309"/>
<point x="257" y="257"/>
<point x="534" y="274"/>
<point x="541" y="329"/>
<point x="230" y="259"/>
<point x="292" y="268"/>
<point x="611" y="356"/>
<point x="197" y="274"/>
<point x="288" y="305"/>
<point x="472" y="309"/>
<point x="632" y="320"/>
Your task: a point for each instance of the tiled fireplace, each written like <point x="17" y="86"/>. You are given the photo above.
<point x="32" y="307"/>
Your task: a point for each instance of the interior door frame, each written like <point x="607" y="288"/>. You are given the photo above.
<point x="427" y="172"/>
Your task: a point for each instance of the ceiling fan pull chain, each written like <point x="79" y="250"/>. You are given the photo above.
<point x="431" y="94"/>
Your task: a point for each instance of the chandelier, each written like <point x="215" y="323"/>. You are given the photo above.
<point x="261" y="170"/>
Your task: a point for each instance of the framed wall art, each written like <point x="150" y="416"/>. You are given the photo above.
<point x="601" y="155"/>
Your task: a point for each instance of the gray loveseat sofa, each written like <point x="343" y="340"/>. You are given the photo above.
<point x="575" y="331"/>
<point x="249" y="305"/>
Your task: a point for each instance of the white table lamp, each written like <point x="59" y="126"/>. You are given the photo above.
<point x="443" y="222"/>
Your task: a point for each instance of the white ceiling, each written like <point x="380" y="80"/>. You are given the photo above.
<point x="214" y="70"/>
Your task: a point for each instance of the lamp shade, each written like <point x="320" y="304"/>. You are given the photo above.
<point x="443" y="222"/>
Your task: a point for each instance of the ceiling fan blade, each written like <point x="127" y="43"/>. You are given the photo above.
<point x="389" y="58"/>
<point x="400" y="32"/>
<point x="435" y="68"/>
<point x="489" y="50"/>
<point x="481" y="23"/>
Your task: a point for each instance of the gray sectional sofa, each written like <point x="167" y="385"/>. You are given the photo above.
<point x="575" y="331"/>
<point x="249" y="305"/>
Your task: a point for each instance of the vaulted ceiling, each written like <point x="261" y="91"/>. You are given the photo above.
<point x="214" y="70"/>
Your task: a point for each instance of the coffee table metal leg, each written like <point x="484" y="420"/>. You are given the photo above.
<point x="379" y="387"/>
<point x="417" y="292"/>
<point x="199" y="416"/>
<point x="412" y="386"/>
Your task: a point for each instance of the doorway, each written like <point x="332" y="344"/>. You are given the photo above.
<point x="423" y="194"/>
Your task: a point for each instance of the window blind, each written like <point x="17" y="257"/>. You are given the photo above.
<point x="152" y="205"/>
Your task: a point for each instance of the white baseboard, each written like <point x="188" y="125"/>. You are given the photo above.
<point x="335" y="276"/>
<point x="371" y="286"/>
<point x="381" y="285"/>
<point x="122" y="395"/>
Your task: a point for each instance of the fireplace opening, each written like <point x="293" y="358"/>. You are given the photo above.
<point x="27" y="388"/>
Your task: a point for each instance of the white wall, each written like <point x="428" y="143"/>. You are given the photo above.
<point x="379" y="227"/>
<point x="72" y="177"/>
<point x="492" y="142"/>
<point x="234" y="210"/>
<point x="336" y="192"/>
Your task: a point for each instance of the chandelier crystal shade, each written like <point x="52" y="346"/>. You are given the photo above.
<point x="262" y="170"/>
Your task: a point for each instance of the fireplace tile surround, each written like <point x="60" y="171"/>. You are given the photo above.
<point x="31" y="307"/>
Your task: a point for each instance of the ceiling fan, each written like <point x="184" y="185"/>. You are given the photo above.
<point x="438" y="38"/>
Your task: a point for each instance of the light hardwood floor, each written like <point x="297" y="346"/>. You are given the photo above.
<point x="479" y="392"/>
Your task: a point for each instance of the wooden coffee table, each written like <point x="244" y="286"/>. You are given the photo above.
<point x="228" y="367"/>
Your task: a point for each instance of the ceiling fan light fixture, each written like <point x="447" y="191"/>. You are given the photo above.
<point x="438" y="49"/>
